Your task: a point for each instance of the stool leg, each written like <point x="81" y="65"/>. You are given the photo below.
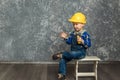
<point x="76" y="70"/>
<point x="95" y="69"/>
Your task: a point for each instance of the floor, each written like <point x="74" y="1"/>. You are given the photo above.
<point x="106" y="71"/>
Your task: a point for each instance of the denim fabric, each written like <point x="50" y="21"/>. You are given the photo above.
<point x="68" y="56"/>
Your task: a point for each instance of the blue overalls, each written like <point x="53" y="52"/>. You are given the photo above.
<point x="78" y="51"/>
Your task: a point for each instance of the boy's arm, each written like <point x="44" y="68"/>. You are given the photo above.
<point x="86" y="40"/>
<point x="68" y="40"/>
<point x="65" y="36"/>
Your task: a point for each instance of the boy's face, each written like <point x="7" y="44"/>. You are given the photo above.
<point x="78" y="26"/>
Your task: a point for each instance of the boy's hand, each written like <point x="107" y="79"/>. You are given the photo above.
<point x="79" y="39"/>
<point x="64" y="35"/>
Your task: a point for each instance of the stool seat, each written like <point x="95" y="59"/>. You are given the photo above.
<point x="94" y="59"/>
<point x="90" y="58"/>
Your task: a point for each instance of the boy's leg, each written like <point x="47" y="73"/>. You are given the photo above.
<point x="66" y="57"/>
<point x="73" y="55"/>
<point x="62" y="69"/>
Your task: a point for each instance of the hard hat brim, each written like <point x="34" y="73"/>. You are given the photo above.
<point x="70" y="20"/>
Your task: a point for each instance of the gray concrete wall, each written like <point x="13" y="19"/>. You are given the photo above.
<point x="29" y="29"/>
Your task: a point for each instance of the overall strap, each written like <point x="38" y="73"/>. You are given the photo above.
<point x="80" y="33"/>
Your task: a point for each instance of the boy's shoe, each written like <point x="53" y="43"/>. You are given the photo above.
<point x="61" y="77"/>
<point x="56" y="56"/>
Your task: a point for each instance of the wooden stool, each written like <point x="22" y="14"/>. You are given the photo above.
<point x="94" y="59"/>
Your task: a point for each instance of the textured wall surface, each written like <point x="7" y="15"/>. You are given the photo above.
<point x="29" y="29"/>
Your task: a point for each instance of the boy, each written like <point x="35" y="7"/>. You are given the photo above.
<point x="79" y="40"/>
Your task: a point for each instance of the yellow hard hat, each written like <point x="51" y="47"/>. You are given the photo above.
<point x="78" y="17"/>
